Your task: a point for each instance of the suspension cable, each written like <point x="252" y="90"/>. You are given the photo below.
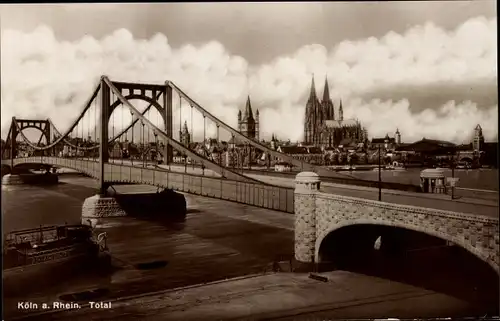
<point x="156" y="148"/>
<point x="113" y="126"/>
<point x="207" y="152"/>
<point x="132" y="140"/>
<point x="192" y="134"/>
<point x="149" y="131"/>
<point x="122" y="147"/>
<point x="156" y="135"/>
<point x="233" y="151"/>
<point x="180" y="118"/>
<point x="95" y="129"/>
<point x="143" y="145"/>
<point x="83" y="125"/>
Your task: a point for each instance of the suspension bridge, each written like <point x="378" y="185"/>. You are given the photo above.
<point x="94" y="145"/>
<point x="99" y="141"/>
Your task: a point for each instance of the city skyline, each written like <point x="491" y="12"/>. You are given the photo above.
<point x="431" y="77"/>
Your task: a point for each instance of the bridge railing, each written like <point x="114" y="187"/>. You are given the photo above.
<point x="250" y="193"/>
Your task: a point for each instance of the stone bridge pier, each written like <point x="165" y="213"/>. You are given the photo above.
<point x="307" y="185"/>
<point x="319" y="214"/>
<point x="97" y="208"/>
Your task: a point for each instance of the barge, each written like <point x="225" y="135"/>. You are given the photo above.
<point x="34" y="255"/>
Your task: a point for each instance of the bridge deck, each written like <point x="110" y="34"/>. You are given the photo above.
<point x="435" y="201"/>
<point x="475" y="206"/>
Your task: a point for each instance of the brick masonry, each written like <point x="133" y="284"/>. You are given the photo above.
<point x="11" y="179"/>
<point x="320" y="214"/>
<point x="96" y="207"/>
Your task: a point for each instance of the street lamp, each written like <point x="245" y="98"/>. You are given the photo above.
<point x="453" y="174"/>
<point x="379" y="175"/>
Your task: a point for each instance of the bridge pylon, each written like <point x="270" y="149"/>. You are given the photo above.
<point x="11" y="149"/>
<point x="146" y="92"/>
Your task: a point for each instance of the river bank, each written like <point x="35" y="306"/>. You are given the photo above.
<point x="276" y="296"/>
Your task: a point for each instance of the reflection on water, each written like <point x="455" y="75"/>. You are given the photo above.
<point x="26" y="206"/>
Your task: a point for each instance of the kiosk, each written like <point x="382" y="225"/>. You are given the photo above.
<point x="433" y="181"/>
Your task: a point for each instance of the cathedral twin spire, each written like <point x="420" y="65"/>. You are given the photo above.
<point x="318" y="112"/>
<point x="312" y="95"/>
<point x="326" y="91"/>
<point x="323" y="109"/>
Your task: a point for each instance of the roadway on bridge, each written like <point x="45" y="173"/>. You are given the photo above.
<point x="475" y="206"/>
<point x="442" y="202"/>
<point x="435" y="201"/>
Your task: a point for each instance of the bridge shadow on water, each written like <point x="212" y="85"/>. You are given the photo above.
<point x="413" y="258"/>
<point x="166" y="207"/>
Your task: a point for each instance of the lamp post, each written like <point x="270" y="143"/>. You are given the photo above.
<point x="379" y="175"/>
<point x="453" y="174"/>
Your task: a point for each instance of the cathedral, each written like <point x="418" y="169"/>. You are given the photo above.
<point x="323" y="129"/>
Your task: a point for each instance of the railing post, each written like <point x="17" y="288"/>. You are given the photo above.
<point x="307" y="186"/>
<point x="103" y="139"/>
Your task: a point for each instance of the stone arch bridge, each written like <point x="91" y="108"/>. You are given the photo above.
<point x="318" y="214"/>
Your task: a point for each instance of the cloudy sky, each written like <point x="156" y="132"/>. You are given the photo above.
<point x="426" y="67"/>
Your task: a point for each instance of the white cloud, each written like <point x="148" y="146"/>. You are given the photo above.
<point x="44" y="77"/>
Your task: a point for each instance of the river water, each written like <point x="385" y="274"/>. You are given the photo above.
<point x="484" y="178"/>
<point x="218" y="239"/>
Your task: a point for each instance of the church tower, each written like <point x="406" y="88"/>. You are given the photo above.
<point x="257" y="129"/>
<point x="478" y="141"/>
<point x="327" y="104"/>
<point x="398" y="137"/>
<point x="185" y="135"/>
<point x="248" y="125"/>
<point x="274" y="142"/>
<point x="341" y="111"/>
<point x="239" y="120"/>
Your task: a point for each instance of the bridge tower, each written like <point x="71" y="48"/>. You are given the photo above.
<point x="17" y="126"/>
<point x="107" y="107"/>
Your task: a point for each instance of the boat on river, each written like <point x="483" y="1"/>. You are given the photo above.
<point x="36" y="253"/>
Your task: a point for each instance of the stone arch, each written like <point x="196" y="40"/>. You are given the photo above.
<point x="432" y="232"/>
<point x="142" y="97"/>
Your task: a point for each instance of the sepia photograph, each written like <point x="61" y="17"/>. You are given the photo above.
<point x="249" y="160"/>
